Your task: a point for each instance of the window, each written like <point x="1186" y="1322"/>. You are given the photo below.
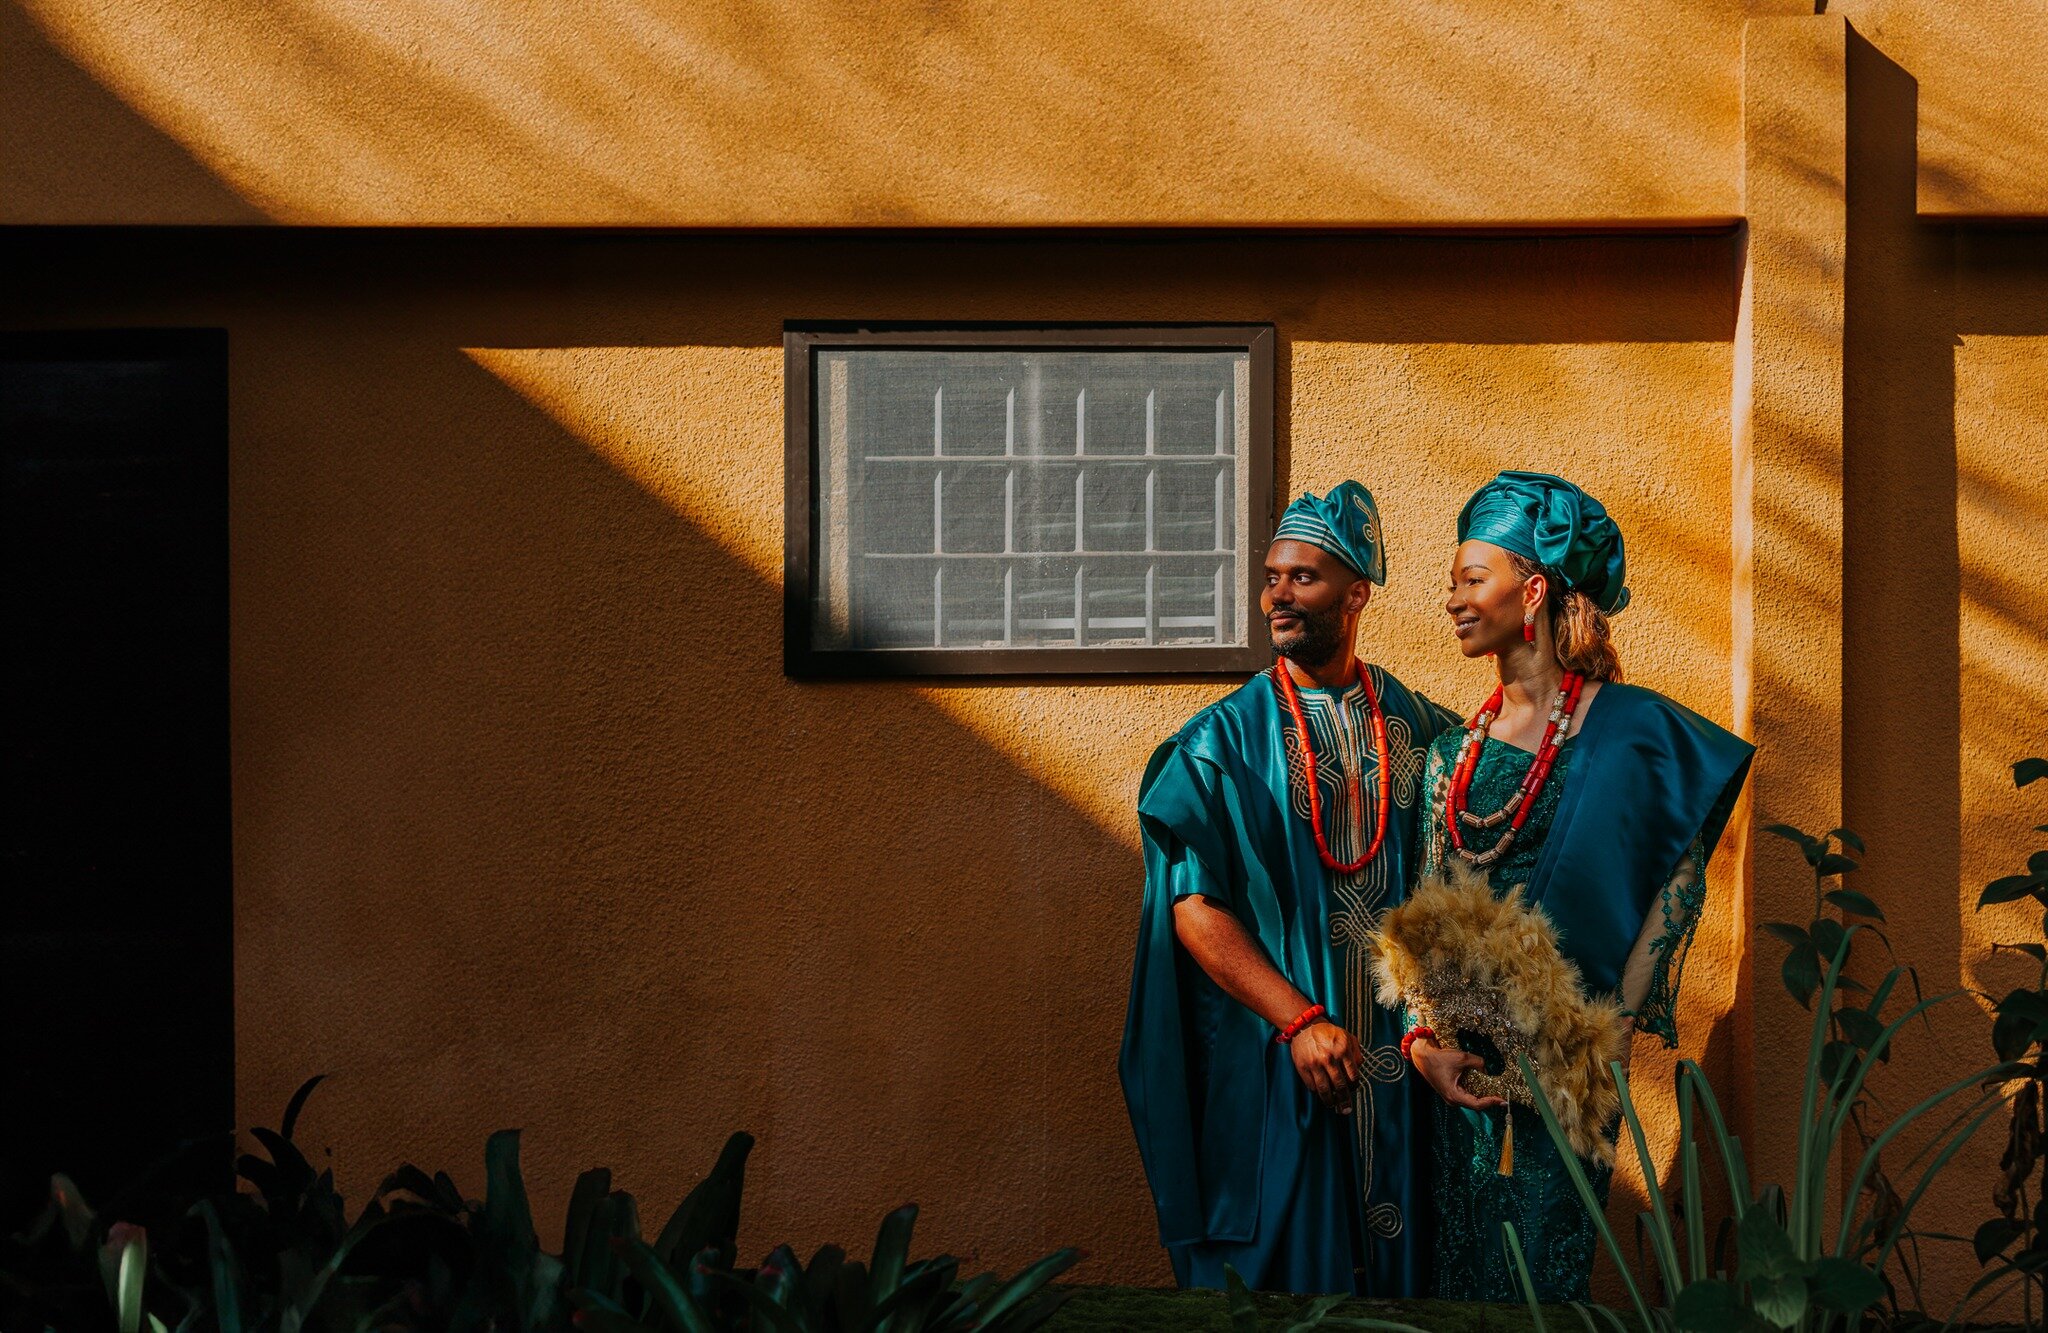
<point x="1024" y="501"/>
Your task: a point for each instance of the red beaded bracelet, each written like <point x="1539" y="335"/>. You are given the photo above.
<point x="1293" y="1030"/>
<point x="1415" y="1034"/>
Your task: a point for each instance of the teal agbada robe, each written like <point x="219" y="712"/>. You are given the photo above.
<point x="1246" y="1166"/>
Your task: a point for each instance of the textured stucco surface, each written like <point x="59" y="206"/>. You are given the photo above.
<point x="775" y="114"/>
<point x="1788" y="505"/>
<point x="779" y="114"/>
<point x="530" y="830"/>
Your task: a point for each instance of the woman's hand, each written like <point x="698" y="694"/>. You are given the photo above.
<point x="1442" y="1067"/>
<point x="1328" y="1059"/>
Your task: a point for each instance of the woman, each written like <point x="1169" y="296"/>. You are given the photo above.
<point x="1604" y="800"/>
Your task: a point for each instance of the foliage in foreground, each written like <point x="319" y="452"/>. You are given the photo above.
<point x="1789" y="1272"/>
<point x="2013" y="1246"/>
<point x="281" y="1257"/>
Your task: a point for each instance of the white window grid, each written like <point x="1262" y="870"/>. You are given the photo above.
<point x="1079" y="626"/>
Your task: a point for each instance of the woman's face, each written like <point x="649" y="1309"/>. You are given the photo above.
<point x="1487" y="599"/>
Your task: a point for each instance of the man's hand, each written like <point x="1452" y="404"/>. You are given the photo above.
<point x="1442" y="1067"/>
<point x="1327" y="1058"/>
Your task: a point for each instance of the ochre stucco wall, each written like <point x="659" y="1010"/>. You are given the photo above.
<point x="1417" y="112"/>
<point x="530" y="829"/>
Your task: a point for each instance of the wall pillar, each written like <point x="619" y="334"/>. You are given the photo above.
<point x="1787" y="423"/>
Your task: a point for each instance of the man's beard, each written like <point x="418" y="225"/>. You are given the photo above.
<point x="1318" y="641"/>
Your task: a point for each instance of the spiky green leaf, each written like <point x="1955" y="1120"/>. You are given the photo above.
<point x="1849" y="900"/>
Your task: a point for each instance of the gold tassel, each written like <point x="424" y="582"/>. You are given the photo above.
<point x="1507" y="1143"/>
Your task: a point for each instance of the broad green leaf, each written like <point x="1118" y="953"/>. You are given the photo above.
<point x="2011" y="888"/>
<point x="1763" y="1247"/>
<point x="1834" y="863"/>
<point x="708" y="1217"/>
<point x="892" y="1247"/>
<point x="1827" y="935"/>
<point x="1851" y="901"/>
<point x="1848" y="839"/>
<point x="1995" y="1235"/>
<point x="1859" y="1026"/>
<point x="1844" y="1286"/>
<point x="1779" y="1300"/>
<point x="1812" y="849"/>
<point x="2012" y="1034"/>
<point x="1786" y="931"/>
<point x="1801" y="974"/>
<point x="2028" y="1003"/>
<point x="1028" y="1282"/>
<point x="592" y="1189"/>
<point x="667" y="1294"/>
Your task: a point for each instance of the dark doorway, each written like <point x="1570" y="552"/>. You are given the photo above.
<point x="115" y="944"/>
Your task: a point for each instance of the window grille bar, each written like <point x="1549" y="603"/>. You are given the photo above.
<point x="1080" y="510"/>
<point x="939" y="605"/>
<point x="1080" y="605"/>
<point x="939" y="422"/>
<point x="1223" y="480"/>
<point x="1152" y="603"/>
<point x="1151" y="422"/>
<point x="939" y="512"/>
<point x="958" y="556"/>
<point x="1223" y="631"/>
<point x="1009" y="605"/>
<point x="1151" y="509"/>
<point x="998" y="460"/>
<point x="1222" y="421"/>
<point x="1080" y="423"/>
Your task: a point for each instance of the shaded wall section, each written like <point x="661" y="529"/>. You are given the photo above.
<point x="531" y="831"/>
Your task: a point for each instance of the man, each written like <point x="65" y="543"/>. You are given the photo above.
<point x="1266" y="1086"/>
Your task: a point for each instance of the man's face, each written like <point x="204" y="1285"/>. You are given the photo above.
<point x="1309" y="594"/>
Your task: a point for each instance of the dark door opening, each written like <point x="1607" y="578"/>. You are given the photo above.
<point x="115" y="938"/>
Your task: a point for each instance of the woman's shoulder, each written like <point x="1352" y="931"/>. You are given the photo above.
<point x="1650" y="718"/>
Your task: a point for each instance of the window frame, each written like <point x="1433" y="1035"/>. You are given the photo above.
<point x="802" y="340"/>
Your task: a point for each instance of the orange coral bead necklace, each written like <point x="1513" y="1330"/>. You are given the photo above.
<point x="1519" y="807"/>
<point x="1308" y="763"/>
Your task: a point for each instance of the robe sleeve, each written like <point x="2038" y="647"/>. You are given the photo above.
<point x="1650" y="980"/>
<point x="1192" y="1123"/>
<point x="1436" y="782"/>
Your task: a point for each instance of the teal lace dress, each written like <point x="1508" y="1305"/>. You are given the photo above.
<point x="1472" y="1197"/>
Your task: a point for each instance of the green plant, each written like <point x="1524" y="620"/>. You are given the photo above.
<point x="2013" y="1246"/>
<point x="1790" y="1272"/>
<point x="282" y="1257"/>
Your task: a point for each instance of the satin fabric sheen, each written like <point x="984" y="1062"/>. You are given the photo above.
<point x="1246" y="1166"/>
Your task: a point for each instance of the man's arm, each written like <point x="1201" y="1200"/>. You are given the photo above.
<point x="1325" y="1055"/>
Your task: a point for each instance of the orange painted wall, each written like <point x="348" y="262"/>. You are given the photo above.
<point x="529" y="827"/>
<point x="530" y="830"/>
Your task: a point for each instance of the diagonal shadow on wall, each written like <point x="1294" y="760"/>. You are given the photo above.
<point x="530" y="829"/>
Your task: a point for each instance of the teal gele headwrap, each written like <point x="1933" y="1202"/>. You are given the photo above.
<point x="1345" y="523"/>
<point x="1549" y="520"/>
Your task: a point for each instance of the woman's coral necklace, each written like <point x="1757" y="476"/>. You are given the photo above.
<point x="1516" y="812"/>
<point x="1308" y="764"/>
